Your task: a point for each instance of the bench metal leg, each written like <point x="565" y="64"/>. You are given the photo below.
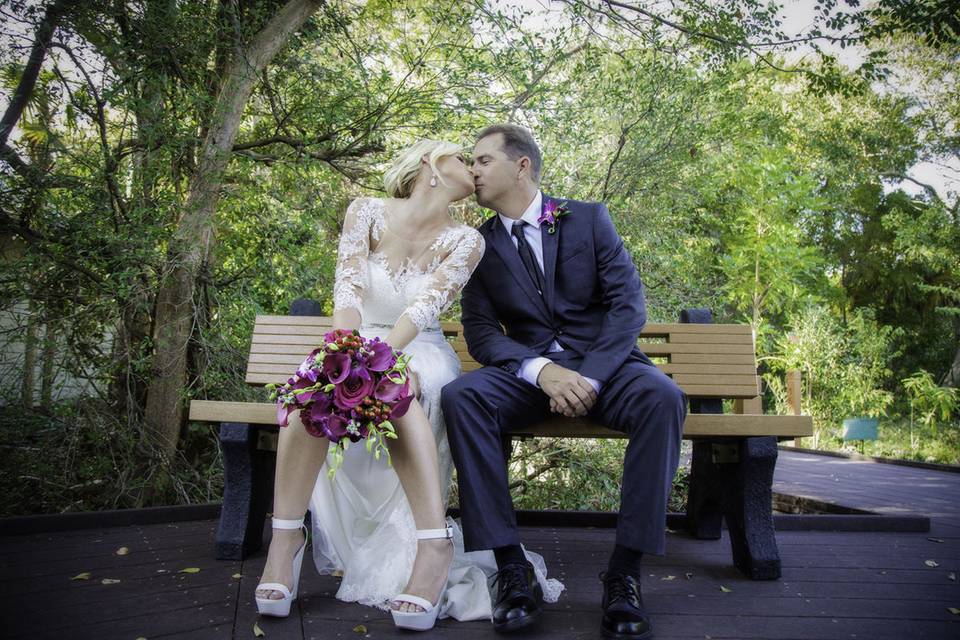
<point x="247" y="491"/>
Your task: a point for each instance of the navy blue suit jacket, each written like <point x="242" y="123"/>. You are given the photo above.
<point x="593" y="302"/>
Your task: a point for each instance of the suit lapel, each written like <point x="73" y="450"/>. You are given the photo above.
<point x="550" y="243"/>
<point x="497" y="236"/>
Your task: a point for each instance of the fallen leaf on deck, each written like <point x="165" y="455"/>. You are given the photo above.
<point x="122" y="551"/>
<point x="669" y="578"/>
<point x="936" y="539"/>
<point x="950" y="576"/>
<point x="360" y="629"/>
<point x="724" y="589"/>
<point x="257" y="631"/>
<point x="688" y="576"/>
<point x="236" y="575"/>
<point x="190" y="570"/>
<point x="954" y="611"/>
<point x="109" y="581"/>
<point x="931" y="563"/>
<point x="82" y="576"/>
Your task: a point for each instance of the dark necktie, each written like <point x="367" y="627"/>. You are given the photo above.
<point x="526" y="255"/>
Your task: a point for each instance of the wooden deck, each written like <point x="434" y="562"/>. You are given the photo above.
<point x="834" y="585"/>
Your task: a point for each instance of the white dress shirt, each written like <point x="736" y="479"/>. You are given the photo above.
<point x="530" y="368"/>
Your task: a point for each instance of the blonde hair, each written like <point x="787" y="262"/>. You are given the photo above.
<point x="398" y="179"/>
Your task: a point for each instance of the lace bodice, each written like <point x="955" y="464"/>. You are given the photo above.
<point x="384" y="276"/>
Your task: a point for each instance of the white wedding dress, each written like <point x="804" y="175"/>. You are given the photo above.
<point x="362" y="524"/>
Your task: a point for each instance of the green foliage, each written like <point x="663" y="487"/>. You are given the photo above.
<point x="934" y="403"/>
<point x="767" y="196"/>
<point x="577" y="474"/>
<point x="80" y="458"/>
<point x="844" y="367"/>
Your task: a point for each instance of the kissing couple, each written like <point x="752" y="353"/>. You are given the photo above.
<point x="552" y="306"/>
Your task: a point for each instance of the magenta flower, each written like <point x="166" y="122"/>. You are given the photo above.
<point x="336" y="366"/>
<point x="320" y="406"/>
<point x="551" y="213"/>
<point x="387" y="390"/>
<point x="334" y="427"/>
<point x="283" y="413"/>
<point x="380" y="359"/>
<point x="400" y="408"/>
<point x="351" y="392"/>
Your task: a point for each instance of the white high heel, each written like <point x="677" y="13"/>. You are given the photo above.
<point x="422" y="620"/>
<point x="281" y="607"/>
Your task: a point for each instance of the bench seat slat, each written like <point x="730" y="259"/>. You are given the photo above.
<point x="713" y="358"/>
<point x="697" y="424"/>
<point x="301" y="339"/>
<point x="692" y="390"/>
<point x="669" y="348"/>
<point x="708" y="338"/>
<point x="652" y="329"/>
<point x="693" y="378"/>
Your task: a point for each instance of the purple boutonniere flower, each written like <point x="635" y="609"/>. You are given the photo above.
<point x="552" y="212"/>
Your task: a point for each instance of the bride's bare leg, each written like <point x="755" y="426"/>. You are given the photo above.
<point x="414" y="456"/>
<point x="299" y="459"/>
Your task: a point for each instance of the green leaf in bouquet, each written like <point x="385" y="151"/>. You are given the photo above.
<point x="328" y="388"/>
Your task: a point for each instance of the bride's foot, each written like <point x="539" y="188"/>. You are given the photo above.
<point x="279" y="568"/>
<point x="429" y="574"/>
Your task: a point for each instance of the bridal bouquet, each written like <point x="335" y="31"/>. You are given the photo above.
<point x="347" y="390"/>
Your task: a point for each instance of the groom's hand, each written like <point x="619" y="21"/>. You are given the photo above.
<point x="570" y="393"/>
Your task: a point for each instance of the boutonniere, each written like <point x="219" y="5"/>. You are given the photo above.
<point x="552" y="212"/>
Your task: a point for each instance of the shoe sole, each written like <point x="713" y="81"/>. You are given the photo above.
<point x="518" y="623"/>
<point x="612" y="635"/>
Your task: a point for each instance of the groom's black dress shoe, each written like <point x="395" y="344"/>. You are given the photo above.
<point x="519" y="598"/>
<point x="624" y="617"/>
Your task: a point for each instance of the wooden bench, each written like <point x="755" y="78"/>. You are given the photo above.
<point x="733" y="454"/>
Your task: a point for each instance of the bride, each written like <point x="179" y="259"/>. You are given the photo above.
<point x="402" y="260"/>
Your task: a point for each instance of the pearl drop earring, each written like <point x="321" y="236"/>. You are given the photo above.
<point x="433" y="180"/>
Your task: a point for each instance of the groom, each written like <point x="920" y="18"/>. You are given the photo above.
<point x="553" y="312"/>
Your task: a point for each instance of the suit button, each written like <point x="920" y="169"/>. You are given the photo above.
<point x="559" y="332"/>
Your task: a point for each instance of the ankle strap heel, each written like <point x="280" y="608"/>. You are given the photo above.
<point x="278" y="523"/>
<point x="431" y="534"/>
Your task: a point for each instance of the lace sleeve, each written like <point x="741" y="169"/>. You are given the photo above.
<point x="351" y="271"/>
<point x="447" y="281"/>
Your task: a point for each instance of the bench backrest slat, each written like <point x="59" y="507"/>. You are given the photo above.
<point x="706" y="360"/>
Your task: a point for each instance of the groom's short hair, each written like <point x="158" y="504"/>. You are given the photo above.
<point x="517" y="142"/>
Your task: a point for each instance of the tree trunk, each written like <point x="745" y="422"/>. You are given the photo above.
<point x="192" y="243"/>
<point x="28" y="383"/>
<point x="952" y="378"/>
<point x="49" y="358"/>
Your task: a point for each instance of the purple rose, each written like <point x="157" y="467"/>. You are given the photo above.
<point x="336" y="366"/>
<point x="349" y="393"/>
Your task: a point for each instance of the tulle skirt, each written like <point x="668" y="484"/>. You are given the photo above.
<point x="362" y="524"/>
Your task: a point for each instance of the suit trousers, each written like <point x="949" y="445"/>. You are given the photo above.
<point x="640" y="400"/>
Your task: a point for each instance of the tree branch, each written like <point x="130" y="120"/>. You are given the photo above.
<point x="32" y="70"/>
